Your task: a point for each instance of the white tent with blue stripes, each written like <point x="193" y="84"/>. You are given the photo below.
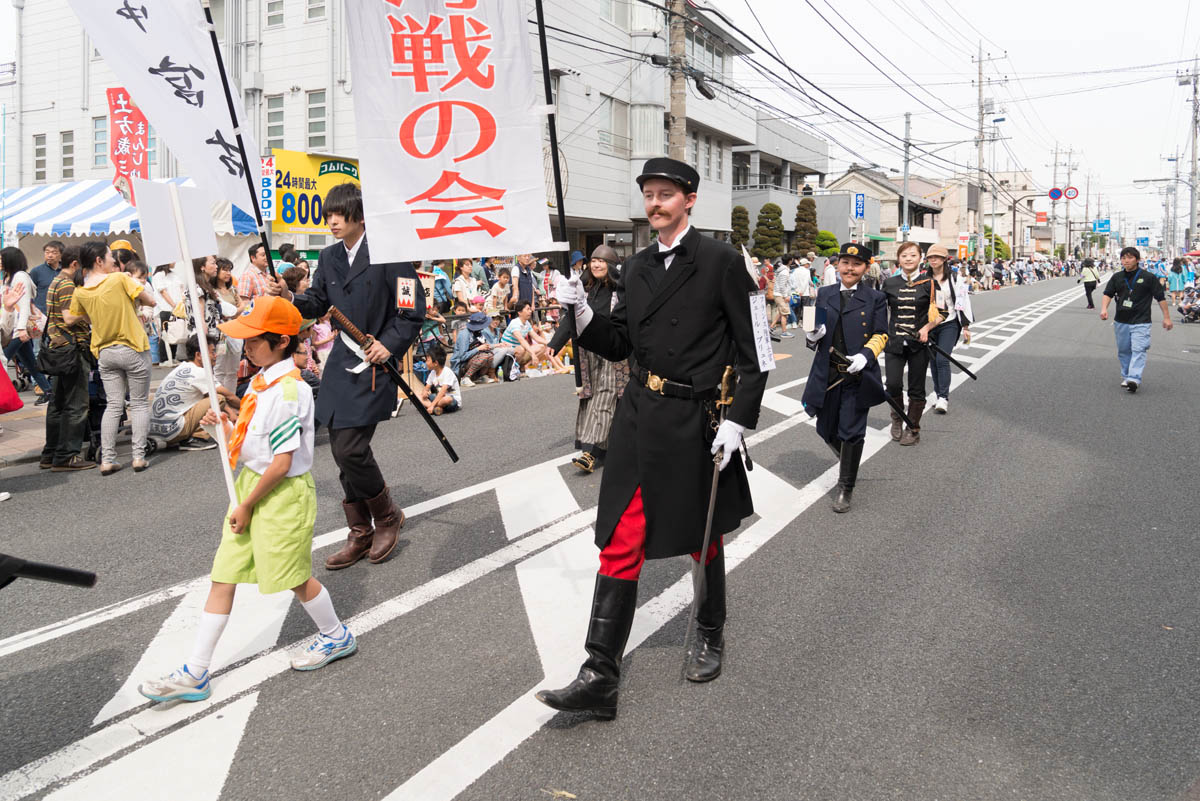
<point x="91" y="208"/>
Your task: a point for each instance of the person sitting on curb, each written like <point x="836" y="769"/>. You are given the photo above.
<point x="448" y="397"/>
<point x="181" y="401"/>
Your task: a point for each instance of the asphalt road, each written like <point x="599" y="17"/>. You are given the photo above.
<point x="1008" y="612"/>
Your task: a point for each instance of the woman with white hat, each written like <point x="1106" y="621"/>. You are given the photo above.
<point x="952" y="298"/>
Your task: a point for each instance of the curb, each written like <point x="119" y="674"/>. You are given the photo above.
<point x="22" y="458"/>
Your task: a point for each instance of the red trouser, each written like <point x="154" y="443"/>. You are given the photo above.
<point x="625" y="553"/>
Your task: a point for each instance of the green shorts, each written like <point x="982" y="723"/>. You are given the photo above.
<point x="276" y="551"/>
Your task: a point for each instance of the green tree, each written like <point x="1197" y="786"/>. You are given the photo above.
<point x="806" y="226"/>
<point x="739" y="223"/>
<point x="826" y="243"/>
<point x="768" y="234"/>
<point x="1003" y="251"/>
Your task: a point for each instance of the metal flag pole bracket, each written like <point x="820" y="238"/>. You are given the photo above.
<point x="364" y="342"/>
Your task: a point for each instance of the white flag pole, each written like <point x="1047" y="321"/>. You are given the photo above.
<point x="202" y="337"/>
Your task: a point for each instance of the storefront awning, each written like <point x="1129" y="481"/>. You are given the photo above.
<point x="878" y="238"/>
<point x="93" y="207"/>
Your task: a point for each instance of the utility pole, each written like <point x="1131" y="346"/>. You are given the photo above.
<point x="904" y="199"/>
<point x="1070" y="167"/>
<point x="979" y="156"/>
<point x="1087" y="213"/>
<point x="1054" y="209"/>
<point x="677" y="130"/>
<point x="1193" y="77"/>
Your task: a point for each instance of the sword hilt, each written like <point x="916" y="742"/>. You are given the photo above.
<point x="364" y="340"/>
<point x="728" y="380"/>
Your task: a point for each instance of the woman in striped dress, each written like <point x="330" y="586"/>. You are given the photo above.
<point x="603" y="381"/>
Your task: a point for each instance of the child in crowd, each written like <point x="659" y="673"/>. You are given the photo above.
<point x="448" y="397"/>
<point x="267" y="538"/>
<point x="498" y="296"/>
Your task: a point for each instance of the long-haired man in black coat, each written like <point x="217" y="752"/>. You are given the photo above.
<point x="386" y="301"/>
<point x="682" y="315"/>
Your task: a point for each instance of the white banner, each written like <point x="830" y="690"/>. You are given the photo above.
<point x="162" y="52"/>
<point x="450" y="141"/>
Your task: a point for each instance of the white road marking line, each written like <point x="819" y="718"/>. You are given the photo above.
<point x="130" y="731"/>
<point x="191" y="764"/>
<point x="534" y="497"/>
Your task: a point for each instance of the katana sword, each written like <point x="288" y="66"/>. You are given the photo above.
<point x="895" y="404"/>
<point x="13" y="568"/>
<point x="952" y="360"/>
<point x="365" y="341"/>
<point x="699" y="589"/>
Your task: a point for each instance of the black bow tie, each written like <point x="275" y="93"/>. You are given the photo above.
<point x="662" y="254"/>
<point x="847" y="294"/>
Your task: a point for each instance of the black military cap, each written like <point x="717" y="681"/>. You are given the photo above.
<point x="853" y="250"/>
<point x="675" y="171"/>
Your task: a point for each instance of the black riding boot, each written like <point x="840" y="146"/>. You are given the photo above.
<point x="851" y="456"/>
<point x="704" y="660"/>
<point x="595" y="689"/>
<point x="836" y="447"/>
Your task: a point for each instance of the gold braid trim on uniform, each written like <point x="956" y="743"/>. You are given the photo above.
<point x="875" y="344"/>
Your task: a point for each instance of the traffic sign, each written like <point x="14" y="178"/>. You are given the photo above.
<point x="1071" y="193"/>
<point x="860" y="206"/>
<point x="1055" y="193"/>
<point x="1143" y="241"/>
<point x="1102" y="226"/>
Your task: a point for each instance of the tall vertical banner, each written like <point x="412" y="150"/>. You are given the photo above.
<point x="129" y="138"/>
<point x="449" y="129"/>
<point x="161" y="51"/>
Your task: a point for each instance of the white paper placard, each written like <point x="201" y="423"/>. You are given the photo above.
<point x="762" y="331"/>
<point x="159" y="234"/>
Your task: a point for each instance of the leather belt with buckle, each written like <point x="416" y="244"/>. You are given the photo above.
<point x="671" y="389"/>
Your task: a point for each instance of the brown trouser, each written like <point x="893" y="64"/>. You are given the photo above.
<point x="191" y="421"/>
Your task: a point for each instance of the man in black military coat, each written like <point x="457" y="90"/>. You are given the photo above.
<point x="387" y="302"/>
<point x="840" y="391"/>
<point x="682" y="315"/>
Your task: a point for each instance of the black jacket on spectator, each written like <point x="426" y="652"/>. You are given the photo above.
<point x="366" y="293"/>
<point x="684" y="325"/>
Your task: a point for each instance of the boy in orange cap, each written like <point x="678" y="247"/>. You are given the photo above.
<point x="267" y="539"/>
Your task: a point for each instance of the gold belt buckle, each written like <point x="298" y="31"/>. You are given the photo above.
<point x="654" y="383"/>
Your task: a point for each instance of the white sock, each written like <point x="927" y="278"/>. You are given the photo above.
<point x="209" y="631"/>
<point x="321" y="610"/>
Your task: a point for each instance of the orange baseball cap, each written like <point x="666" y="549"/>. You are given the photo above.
<point x="266" y="314"/>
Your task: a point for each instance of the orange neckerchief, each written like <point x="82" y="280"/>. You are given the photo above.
<point x="258" y="384"/>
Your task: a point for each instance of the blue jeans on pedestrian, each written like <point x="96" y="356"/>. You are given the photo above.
<point x="1133" y="343"/>
<point x="945" y="336"/>
<point x="23" y="353"/>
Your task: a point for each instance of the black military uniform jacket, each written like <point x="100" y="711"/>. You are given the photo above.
<point x="863" y="323"/>
<point x="908" y="308"/>
<point x="367" y="294"/>
<point x="685" y="325"/>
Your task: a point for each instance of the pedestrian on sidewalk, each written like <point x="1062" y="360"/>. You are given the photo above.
<point x="108" y="300"/>
<point x="267" y="536"/>
<point x="1090" y="277"/>
<point x="67" y="412"/>
<point x="856" y="327"/>
<point x="29" y="323"/>
<point x="8" y="317"/>
<point x="684" y="313"/>
<point x="1134" y="290"/>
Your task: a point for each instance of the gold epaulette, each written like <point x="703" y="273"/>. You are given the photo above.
<point x="875" y="344"/>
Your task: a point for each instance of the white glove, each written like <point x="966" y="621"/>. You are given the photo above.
<point x="729" y="437"/>
<point x="857" y="362"/>
<point x="816" y="336"/>
<point x="569" y="291"/>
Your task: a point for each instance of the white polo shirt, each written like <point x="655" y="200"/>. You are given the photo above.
<point x="282" y="423"/>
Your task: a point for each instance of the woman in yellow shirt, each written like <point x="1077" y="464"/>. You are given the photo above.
<point x="108" y="299"/>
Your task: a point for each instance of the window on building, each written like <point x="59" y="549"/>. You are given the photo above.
<point x="99" y="141"/>
<point x="151" y="147"/>
<point x="316" y="119"/>
<point x="66" y="143"/>
<point x="617" y="12"/>
<point x="720" y="162"/>
<point x="274" y="13"/>
<point x="708" y="154"/>
<point x="705" y="53"/>
<point x="694" y="150"/>
<point x="316" y="9"/>
<point x="275" y="121"/>
<point x="615" y="139"/>
<point x="39" y="158"/>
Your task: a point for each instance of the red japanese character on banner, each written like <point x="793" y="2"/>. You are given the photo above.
<point x="442" y="226"/>
<point x="464" y="5"/>
<point x="420" y="47"/>
<point x="445" y="121"/>
<point x="129" y="133"/>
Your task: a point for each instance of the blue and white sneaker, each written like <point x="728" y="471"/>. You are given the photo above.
<point x="179" y="686"/>
<point x="323" y="650"/>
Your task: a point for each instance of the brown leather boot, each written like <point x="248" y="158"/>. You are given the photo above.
<point x="388" y="522"/>
<point x="358" y="542"/>
<point x="912" y="436"/>
<point x="897" y="426"/>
